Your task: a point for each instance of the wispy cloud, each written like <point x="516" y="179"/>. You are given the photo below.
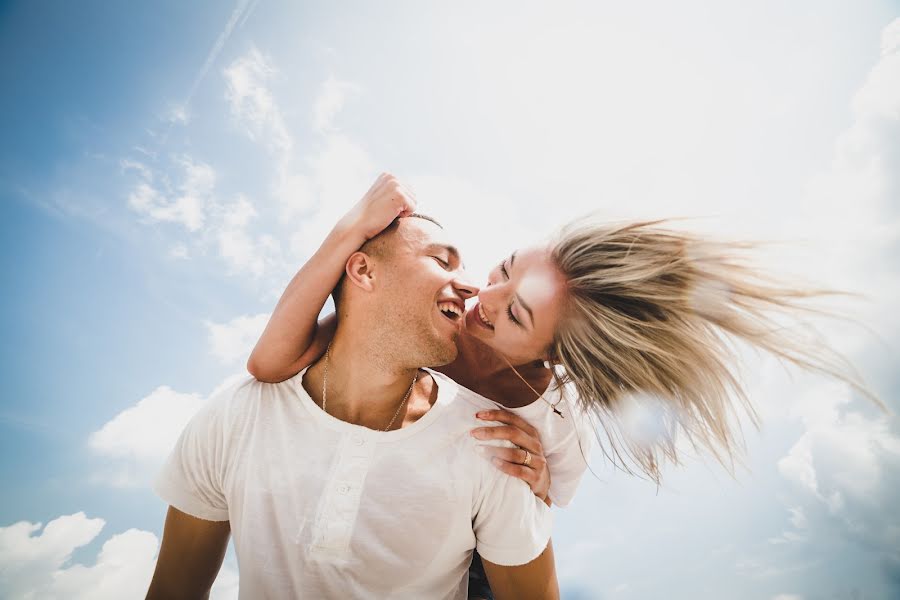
<point x="329" y="103"/>
<point x="244" y="253"/>
<point x="252" y="103"/>
<point x="232" y="342"/>
<point x="240" y="14"/>
<point x="186" y="205"/>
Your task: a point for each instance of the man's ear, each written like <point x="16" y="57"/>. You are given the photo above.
<point x="359" y="271"/>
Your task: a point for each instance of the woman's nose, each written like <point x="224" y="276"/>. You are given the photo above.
<point x="489" y="294"/>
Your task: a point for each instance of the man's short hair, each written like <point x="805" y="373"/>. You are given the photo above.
<point x="378" y="247"/>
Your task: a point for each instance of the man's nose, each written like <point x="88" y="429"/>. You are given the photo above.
<point x="464" y="286"/>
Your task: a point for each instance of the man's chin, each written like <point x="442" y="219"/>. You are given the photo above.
<point x="442" y="354"/>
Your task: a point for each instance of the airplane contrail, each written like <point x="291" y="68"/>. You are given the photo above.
<point x="241" y="13"/>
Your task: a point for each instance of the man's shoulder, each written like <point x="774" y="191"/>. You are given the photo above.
<point x="458" y="406"/>
<point x="243" y="396"/>
<point x="458" y="398"/>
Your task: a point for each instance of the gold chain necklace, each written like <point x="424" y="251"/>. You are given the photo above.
<point x="540" y="396"/>
<point x="325" y="388"/>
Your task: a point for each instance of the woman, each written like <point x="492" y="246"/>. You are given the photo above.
<point x="613" y="314"/>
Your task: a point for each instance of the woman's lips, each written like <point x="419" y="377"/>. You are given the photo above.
<point x="476" y="314"/>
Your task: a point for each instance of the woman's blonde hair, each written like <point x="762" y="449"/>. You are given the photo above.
<point x="653" y="312"/>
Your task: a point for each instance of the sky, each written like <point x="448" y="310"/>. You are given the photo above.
<point x="166" y="167"/>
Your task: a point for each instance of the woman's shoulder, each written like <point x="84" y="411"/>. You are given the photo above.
<point x="557" y="415"/>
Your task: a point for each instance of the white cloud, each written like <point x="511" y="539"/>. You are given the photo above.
<point x="193" y="205"/>
<point x="123" y="568"/>
<point x="134" y="165"/>
<point x="252" y="103"/>
<point x="328" y="176"/>
<point x="846" y="465"/>
<point x="186" y="205"/>
<point x="53" y="546"/>
<point x="241" y="251"/>
<point x="295" y="193"/>
<point x="137" y="440"/>
<point x="233" y="341"/>
<point x="179" y="251"/>
<point x="329" y="103"/>
<point x="340" y="173"/>
<point x="31" y="566"/>
<point x="37" y="567"/>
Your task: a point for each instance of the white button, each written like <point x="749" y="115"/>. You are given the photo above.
<point x="343" y="488"/>
<point x="358" y="440"/>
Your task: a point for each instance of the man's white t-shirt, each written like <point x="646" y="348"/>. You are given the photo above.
<point x="321" y="508"/>
<point x="567" y="440"/>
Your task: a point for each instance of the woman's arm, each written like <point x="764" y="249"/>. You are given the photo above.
<point x="292" y="338"/>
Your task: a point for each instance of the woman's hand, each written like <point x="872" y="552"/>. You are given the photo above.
<point x="511" y="460"/>
<point x="386" y="200"/>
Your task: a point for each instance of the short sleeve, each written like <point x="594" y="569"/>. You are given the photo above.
<point x="568" y="460"/>
<point x="191" y="479"/>
<point x="512" y="526"/>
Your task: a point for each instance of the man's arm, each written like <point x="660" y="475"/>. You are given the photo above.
<point x="536" y="579"/>
<point x="190" y="557"/>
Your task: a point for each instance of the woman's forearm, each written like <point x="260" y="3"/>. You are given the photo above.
<point x="292" y="328"/>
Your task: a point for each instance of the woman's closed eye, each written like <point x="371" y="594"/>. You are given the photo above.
<point x="512" y="317"/>
<point x="509" y="312"/>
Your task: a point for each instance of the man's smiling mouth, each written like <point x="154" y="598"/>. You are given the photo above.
<point x="451" y="310"/>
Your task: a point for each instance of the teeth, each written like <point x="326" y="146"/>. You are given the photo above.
<point x="483" y="316"/>
<point x="450" y="307"/>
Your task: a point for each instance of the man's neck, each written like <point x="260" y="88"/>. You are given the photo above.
<point x="363" y="386"/>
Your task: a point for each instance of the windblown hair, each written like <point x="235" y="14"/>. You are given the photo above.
<point x="653" y="312"/>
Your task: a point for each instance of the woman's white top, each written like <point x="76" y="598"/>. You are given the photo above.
<point x="567" y="441"/>
<point x="321" y="508"/>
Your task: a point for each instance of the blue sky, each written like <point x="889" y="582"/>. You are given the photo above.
<point x="166" y="167"/>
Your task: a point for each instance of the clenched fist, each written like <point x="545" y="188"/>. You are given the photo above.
<point x="386" y="200"/>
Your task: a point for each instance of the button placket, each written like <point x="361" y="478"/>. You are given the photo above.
<point x="339" y="509"/>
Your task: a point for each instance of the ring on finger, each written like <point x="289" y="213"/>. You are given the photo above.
<point x="527" y="460"/>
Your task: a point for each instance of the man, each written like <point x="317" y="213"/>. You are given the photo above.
<point x="328" y="493"/>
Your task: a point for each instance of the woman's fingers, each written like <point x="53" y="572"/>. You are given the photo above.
<point x="509" y="460"/>
<point x="511" y="455"/>
<point x="526" y="474"/>
<point x="504" y="416"/>
<point x="511" y="433"/>
<point x="407" y="201"/>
